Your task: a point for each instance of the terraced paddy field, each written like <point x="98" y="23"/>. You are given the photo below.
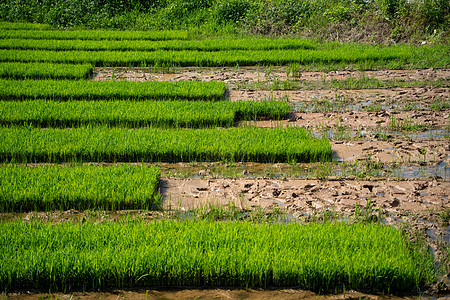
<point x="318" y="169"/>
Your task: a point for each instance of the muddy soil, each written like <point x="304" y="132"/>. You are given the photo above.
<point x="185" y="294"/>
<point x="395" y="151"/>
<point x="306" y="196"/>
<point x="387" y="98"/>
<point x="258" y="74"/>
<point x="360" y="120"/>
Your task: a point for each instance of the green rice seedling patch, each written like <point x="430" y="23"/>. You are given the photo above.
<point x="323" y="257"/>
<point x="211" y="59"/>
<point x="27" y="144"/>
<point x="94" y="35"/>
<point x="142" y="45"/>
<point x="44" y="71"/>
<point x="23" y="26"/>
<point x="78" y="187"/>
<point x="104" y="90"/>
<point x="192" y="114"/>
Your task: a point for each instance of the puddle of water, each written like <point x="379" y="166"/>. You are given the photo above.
<point x="447" y="235"/>
<point x="432" y="234"/>
<point x="411" y="172"/>
<point x="424" y="194"/>
<point x="428" y="134"/>
<point x="380" y="194"/>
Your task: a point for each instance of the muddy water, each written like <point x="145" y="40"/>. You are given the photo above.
<point x="185" y="294"/>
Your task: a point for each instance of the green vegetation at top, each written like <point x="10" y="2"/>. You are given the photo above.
<point x="104" y="90"/>
<point x="192" y="114"/>
<point x="78" y="187"/>
<point x="369" y="21"/>
<point x="95" y="35"/>
<point x="126" y="45"/>
<point x="44" y="71"/>
<point x="101" y="144"/>
<point x="322" y="257"/>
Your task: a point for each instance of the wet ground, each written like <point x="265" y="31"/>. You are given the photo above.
<point x="262" y="74"/>
<point x="231" y="294"/>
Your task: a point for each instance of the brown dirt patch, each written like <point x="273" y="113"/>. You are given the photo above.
<point x="361" y="120"/>
<point x="305" y="196"/>
<point x="259" y="74"/>
<point x="368" y="96"/>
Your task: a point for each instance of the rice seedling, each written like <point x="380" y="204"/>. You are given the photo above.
<point x="94" y="35"/>
<point x="145" y="45"/>
<point x="210" y="59"/>
<point x="27" y="144"/>
<point x="104" y="90"/>
<point x="23" y="26"/>
<point x="322" y="257"/>
<point x="78" y="187"/>
<point x="192" y="114"/>
<point x="44" y="71"/>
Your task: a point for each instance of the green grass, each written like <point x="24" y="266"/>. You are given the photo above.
<point x="153" y="145"/>
<point x="44" y="71"/>
<point x="78" y="187"/>
<point x="139" y="45"/>
<point x="132" y="254"/>
<point x="192" y="114"/>
<point x="95" y="35"/>
<point x="104" y="90"/>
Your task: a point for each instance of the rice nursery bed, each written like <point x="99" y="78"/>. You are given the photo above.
<point x="397" y="57"/>
<point x="78" y="187"/>
<point x="27" y="144"/>
<point x="192" y="114"/>
<point x="143" y="45"/>
<point x="44" y="71"/>
<point x="130" y="254"/>
<point x="102" y="90"/>
<point x="153" y="35"/>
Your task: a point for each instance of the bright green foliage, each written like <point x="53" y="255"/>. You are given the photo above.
<point x="322" y="257"/>
<point x="78" y="187"/>
<point x="94" y="35"/>
<point x="23" y="26"/>
<point x="154" y="145"/>
<point x="192" y="114"/>
<point x="44" y="71"/>
<point x="104" y="90"/>
<point x="128" y="45"/>
<point x="217" y="58"/>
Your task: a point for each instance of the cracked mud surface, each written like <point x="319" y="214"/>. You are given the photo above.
<point x="260" y="74"/>
<point x="422" y="96"/>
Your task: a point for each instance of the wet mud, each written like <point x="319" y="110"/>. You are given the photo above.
<point x="351" y="99"/>
<point x="185" y="294"/>
<point x="360" y="120"/>
<point x="261" y="74"/>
